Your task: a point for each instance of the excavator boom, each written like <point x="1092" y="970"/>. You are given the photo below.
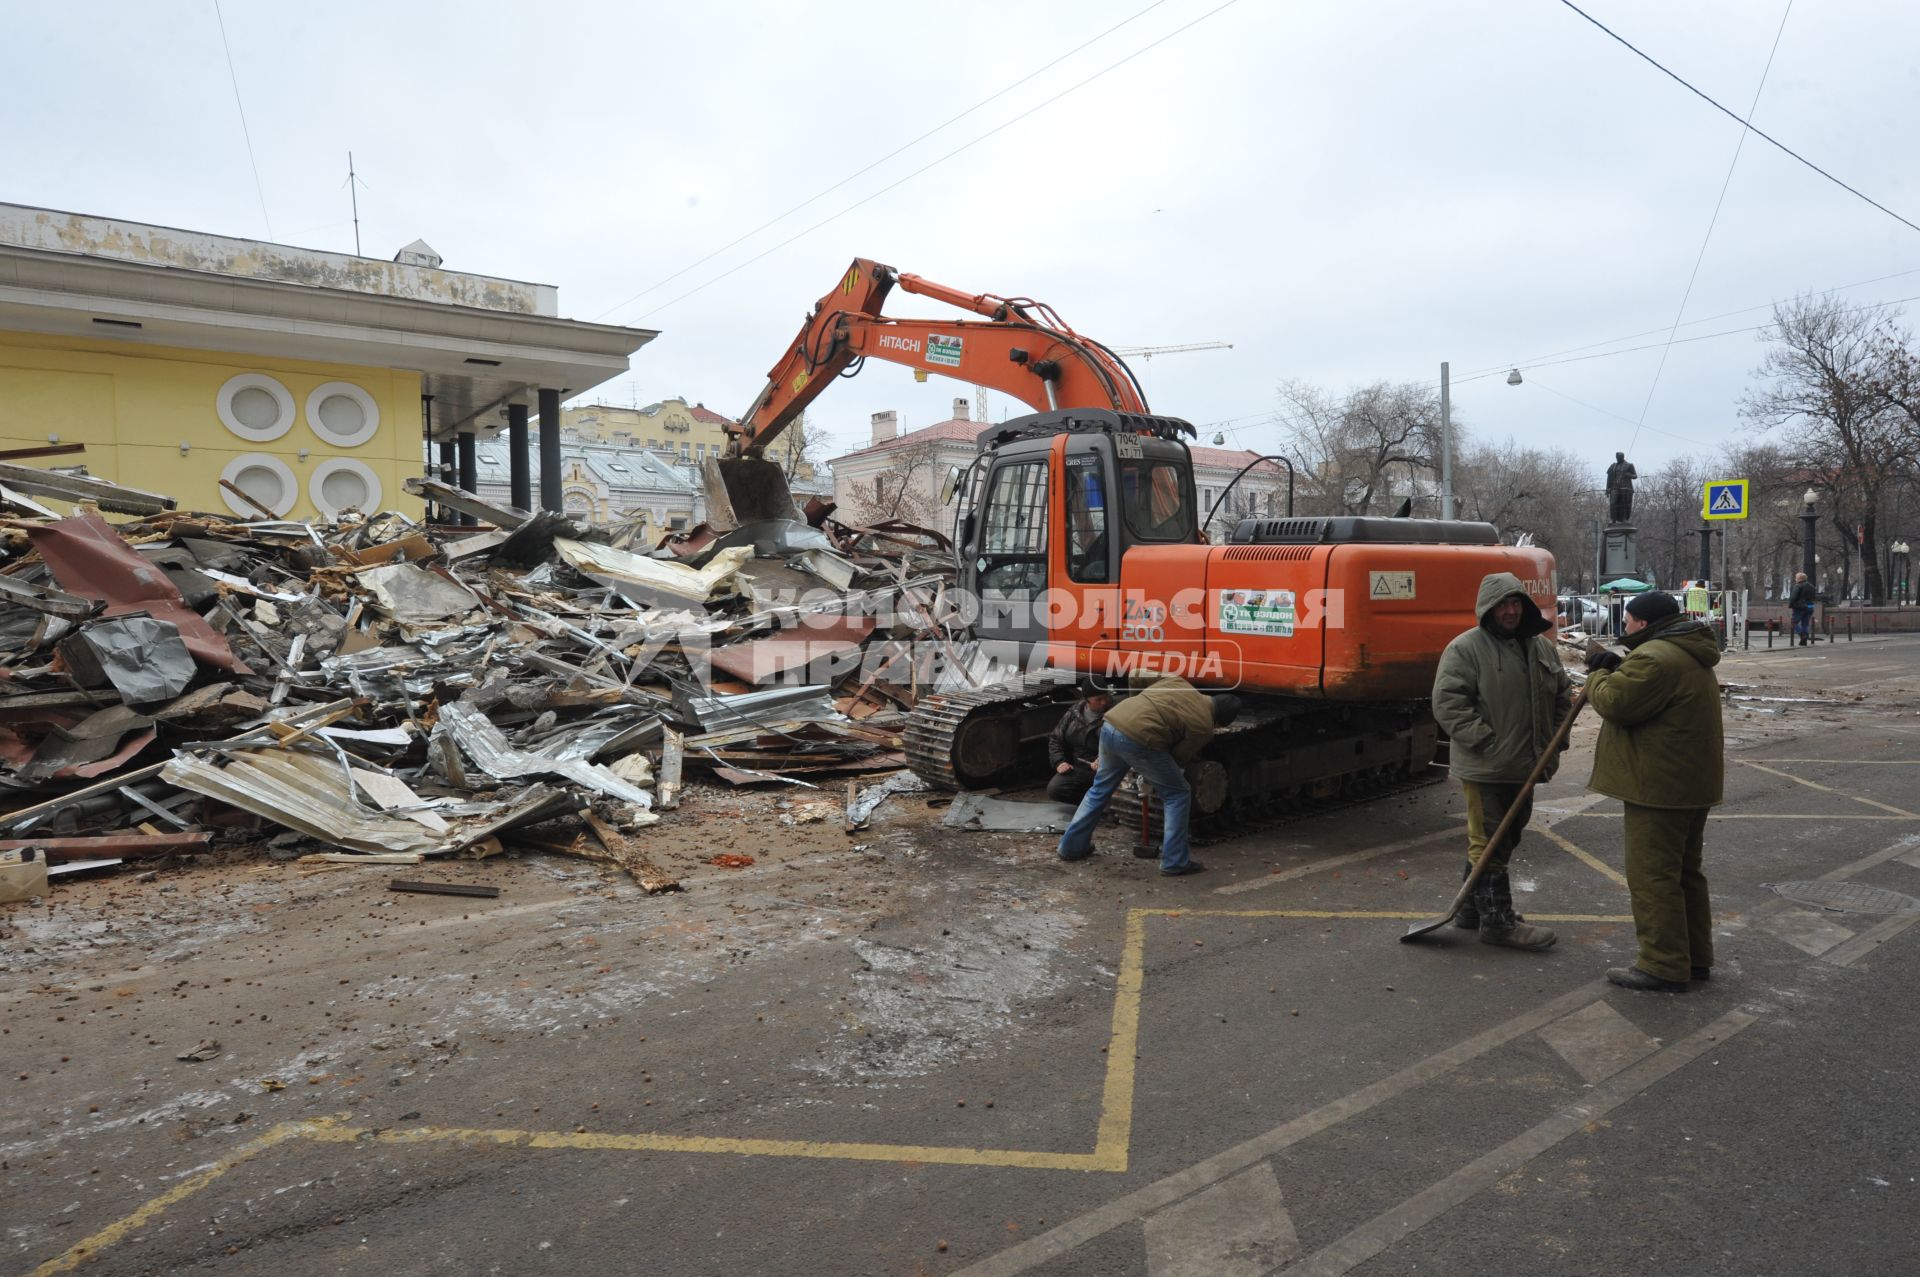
<point x="1019" y="347"/>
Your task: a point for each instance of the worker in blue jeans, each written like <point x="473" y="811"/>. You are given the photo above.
<point x="1156" y="733"/>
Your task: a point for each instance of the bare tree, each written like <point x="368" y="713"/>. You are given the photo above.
<point x="904" y="490"/>
<point x="797" y="450"/>
<point x="1349" y="445"/>
<point x="1826" y="377"/>
<point x="1550" y="495"/>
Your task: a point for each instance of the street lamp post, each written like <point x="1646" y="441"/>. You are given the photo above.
<point x="1811" y="518"/>
<point x="1900" y="552"/>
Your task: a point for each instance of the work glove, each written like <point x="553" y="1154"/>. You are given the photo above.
<point x="1602" y="659"/>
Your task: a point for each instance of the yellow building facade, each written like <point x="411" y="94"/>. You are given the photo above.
<point x="313" y="382"/>
<point x="306" y="440"/>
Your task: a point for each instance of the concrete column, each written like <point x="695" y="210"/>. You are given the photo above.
<point x="469" y="469"/>
<point x="550" y="498"/>
<point x="519" y="463"/>
<point x="446" y="473"/>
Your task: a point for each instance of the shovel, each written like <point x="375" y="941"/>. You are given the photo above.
<point x="1421" y="930"/>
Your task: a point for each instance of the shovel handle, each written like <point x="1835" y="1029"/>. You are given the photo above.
<point x="1520" y="800"/>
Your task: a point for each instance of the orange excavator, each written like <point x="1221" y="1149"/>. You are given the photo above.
<point x="1078" y="536"/>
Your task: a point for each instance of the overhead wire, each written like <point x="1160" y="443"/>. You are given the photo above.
<point x="245" y="132"/>
<point x="1766" y="137"/>
<point x="966" y="146"/>
<point x="861" y="172"/>
<point x="1505" y="364"/>
<point x="1746" y="127"/>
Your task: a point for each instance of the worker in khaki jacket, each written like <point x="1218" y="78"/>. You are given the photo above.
<point x="1500" y="693"/>
<point x="1662" y="753"/>
<point x="1155" y="732"/>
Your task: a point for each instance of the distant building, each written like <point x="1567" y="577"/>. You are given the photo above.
<point x="683" y="433"/>
<point x="901" y="475"/>
<point x="606" y="483"/>
<point x="898" y="476"/>
<point x="310" y="380"/>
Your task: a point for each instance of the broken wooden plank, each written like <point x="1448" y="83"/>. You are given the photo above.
<point x="73" y="487"/>
<point x="46" y="599"/>
<point x="443" y="888"/>
<point x="651" y="877"/>
<point x="673" y="752"/>
<point x="87" y="846"/>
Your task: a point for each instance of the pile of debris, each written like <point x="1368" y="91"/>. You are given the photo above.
<point x="382" y="690"/>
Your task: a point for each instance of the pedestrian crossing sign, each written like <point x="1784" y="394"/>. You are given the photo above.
<point x="1724" y="499"/>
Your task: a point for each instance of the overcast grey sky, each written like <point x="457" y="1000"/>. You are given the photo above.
<point x="1346" y="191"/>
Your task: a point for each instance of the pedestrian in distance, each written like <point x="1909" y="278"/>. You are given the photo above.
<point x="1155" y="732"/>
<point x="1499" y="693"/>
<point x="1661" y="753"/>
<point x="1802" y="603"/>
<point x="1074" y="746"/>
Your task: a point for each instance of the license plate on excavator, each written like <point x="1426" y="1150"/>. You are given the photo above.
<point x="1127" y="447"/>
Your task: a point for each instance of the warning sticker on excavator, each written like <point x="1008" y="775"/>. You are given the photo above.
<point x="1269" y="612"/>
<point x="944" y="351"/>
<point x="1390" y="585"/>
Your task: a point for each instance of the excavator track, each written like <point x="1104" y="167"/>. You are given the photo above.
<point x="1285" y="762"/>
<point x="981" y="736"/>
<point x="1284" y="759"/>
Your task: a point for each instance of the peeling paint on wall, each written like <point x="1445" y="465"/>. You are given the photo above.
<point x="52" y="231"/>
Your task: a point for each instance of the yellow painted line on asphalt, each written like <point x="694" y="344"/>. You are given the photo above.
<point x="1848" y="762"/>
<point x="1111" y="1145"/>
<point x="1585" y="857"/>
<point x="1763" y="815"/>
<point x="1115" y="1136"/>
<point x="82" y="1251"/>
<point x="1393" y="915"/>
<point x="1825" y="789"/>
<point x="606" y="1141"/>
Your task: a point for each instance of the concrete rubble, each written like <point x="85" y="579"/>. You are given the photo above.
<point x="381" y="691"/>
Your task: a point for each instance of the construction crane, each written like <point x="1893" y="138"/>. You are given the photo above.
<point x="1148" y="352"/>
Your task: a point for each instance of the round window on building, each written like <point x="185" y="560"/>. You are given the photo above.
<point x="263" y="477"/>
<point x="342" y="413"/>
<point x="255" y="407"/>
<point x="340" y="484"/>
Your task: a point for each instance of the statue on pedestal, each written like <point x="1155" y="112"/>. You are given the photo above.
<point x="1620" y="477"/>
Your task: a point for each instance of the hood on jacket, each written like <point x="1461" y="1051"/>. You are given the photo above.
<point x="1501" y="585"/>
<point x="1696" y="638"/>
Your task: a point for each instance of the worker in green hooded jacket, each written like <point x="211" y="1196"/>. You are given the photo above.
<point x="1661" y="753"/>
<point x="1500" y="692"/>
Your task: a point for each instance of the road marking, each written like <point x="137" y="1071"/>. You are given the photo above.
<point x="1111" y="1143"/>
<point x="1398" y="915"/>
<point x="1764" y="815"/>
<point x="1237" y="1228"/>
<point x="1336" y="862"/>
<point x="1132" y="1206"/>
<point x="1586" y="857"/>
<point x="1597" y="1041"/>
<point x="1844" y="955"/>
<point x="1825" y="789"/>
<point x="121" y="1229"/>
<point x="1396" y="1223"/>
<point x="590" y="1141"/>
<point x="1809" y="932"/>
<point x="1849" y="762"/>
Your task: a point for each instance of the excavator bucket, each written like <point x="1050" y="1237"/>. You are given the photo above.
<point x="755" y="489"/>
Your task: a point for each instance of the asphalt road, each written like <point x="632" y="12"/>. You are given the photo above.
<point x="916" y="1050"/>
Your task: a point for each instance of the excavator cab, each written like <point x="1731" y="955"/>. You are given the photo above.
<point x="1052" y="505"/>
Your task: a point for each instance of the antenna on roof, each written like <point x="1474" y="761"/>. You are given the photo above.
<point x="353" y="189"/>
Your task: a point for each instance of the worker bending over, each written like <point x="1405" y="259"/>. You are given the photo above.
<point x="1155" y="732"/>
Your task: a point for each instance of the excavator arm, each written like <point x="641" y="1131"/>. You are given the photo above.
<point x="1020" y="347"/>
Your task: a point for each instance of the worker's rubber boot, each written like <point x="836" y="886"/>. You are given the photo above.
<point x="1499" y="923"/>
<point x="1468" y="919"/>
